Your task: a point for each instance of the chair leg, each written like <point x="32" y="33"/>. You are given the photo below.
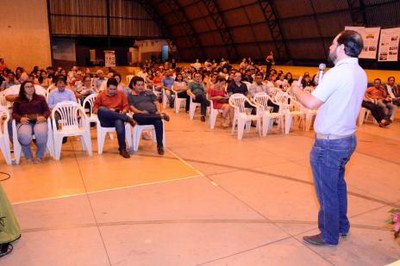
<point x="288" y="122"/>
<point x="241" y="124"/>
<point x="100" y="140"/>
<point x="88" y="142"/>
<point x="57" y="147"/>
<point x="213" y="119"/>
<point x="177" y="104"/>
<point x="6" y="153"/>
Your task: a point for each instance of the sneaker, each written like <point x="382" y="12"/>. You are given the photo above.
<point x="5" y="249"/>
<point x="316" y="240"/>
<point x="203" y="118"/>
<point x="38" y="160"/>
<point x="160" y="150"/>
<point x="29" y="160"/>
<point x="165" y="117"/>
<point x="125" y="154"/>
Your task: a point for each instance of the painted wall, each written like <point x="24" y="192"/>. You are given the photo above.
<point x="24" y="31"/>
<point x="147" y="48"/>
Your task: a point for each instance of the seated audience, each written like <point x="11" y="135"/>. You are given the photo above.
<point x="378" y="94"/>
<point x="167" y="83"/>
<point x="259" y="86"/>
<point x="85" y="89"/>
<point x="181" y="87"/>
<point x="376" y="110"/>
<point x="11" y="81"/>
<point x="392" y="90"/>
<point x="61" y="94"/>
<point x="146" y="110"/>
<point x="99" y="80"/>
<point x="31" y="112"/>
<point x="237" y="86"/>
<point x="111" y="107"/>
<point x="281" y="82"/>
<point x="197" y="92"/>
<point x="220" y="100"/>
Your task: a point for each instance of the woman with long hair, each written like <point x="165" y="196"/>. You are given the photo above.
<point x="31" y="112"/>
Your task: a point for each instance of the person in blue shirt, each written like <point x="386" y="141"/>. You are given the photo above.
<point x="61" y="94"/>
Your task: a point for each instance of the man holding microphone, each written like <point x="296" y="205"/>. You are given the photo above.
<point x="338" y="97"/>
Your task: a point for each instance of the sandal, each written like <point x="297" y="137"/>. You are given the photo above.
<point x="5" y="249"/>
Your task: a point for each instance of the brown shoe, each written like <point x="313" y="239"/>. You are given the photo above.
<point x="125" y="154"/>
<point x="384" y="123"/>
<point x="131" y="122"/>
<point x="165" y="117"/>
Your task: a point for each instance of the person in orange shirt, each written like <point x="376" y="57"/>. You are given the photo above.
<point x="111" y="107"/>
<point x="378" y="94"/>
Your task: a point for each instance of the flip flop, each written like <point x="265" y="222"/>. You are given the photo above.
<point x="5" y="249"/>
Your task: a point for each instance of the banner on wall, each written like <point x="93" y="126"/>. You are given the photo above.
<point x="109" y="58"/>
<point x="370" y="37"/>
<point x="389" y="45"/>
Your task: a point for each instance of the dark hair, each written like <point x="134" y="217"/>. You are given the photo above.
<point x="391" y="77"/>
<point x="378" y="79"/>
<point x="21" y="94"/>
<point x="61" y="78"/>
<point x="134" y="81"/>
<point x="352" y="41"/>
<point x="112" y="81"/>
<point x="220" y="79"/>
<point x="119" y="75"/>
<point x="259" y="74"/>
<point x="40" y="78"/>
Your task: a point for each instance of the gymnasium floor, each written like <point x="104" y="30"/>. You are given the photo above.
<point x="210" y="200"/>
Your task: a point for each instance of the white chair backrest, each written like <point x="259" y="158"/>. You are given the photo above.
<point x="237" y="101"/>
<point x="88" y="102"/>
<point x="70" y="113"/>
<point x="3" y="101"/>
<point x="4" y="117"/>
<point x="261" y="99"/>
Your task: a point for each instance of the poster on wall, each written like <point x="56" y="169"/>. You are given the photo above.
<point x="109" y="58"/>
<point x="389" y="45"/>
<point x="370" y="37"/>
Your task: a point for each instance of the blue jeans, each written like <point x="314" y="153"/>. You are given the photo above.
<point x="328" y="160"/>
<point x="110" y="118"/>
<point x="25" y="132"/>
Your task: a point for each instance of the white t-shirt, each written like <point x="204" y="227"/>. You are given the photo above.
<point x="342" y="91"/>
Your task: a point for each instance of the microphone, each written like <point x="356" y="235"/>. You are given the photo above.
<point x="321" y="67"/>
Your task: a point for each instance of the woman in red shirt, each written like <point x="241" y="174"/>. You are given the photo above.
<point x="219" y="97"/>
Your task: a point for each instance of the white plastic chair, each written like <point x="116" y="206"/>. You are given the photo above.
<point x="177" y="101"/>
<point x="137" y="132"/>
<point x="102" y="132"/>
<point x="4" y="137"/>
<point x="165" y="100"/>
<point x="290" y="108"/>
<point x="364" y="115"/>
<point x="192" y="108"/>
<point x="263" y="110"/>
<point x="87" y="104"/>
<point x="213" y="114"/>
<point x="241" y="118"/>
<point x="72" y="122"/>
<point x="17" y="146"/>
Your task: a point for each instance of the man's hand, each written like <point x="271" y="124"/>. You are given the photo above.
<point x="144" y="112"/>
